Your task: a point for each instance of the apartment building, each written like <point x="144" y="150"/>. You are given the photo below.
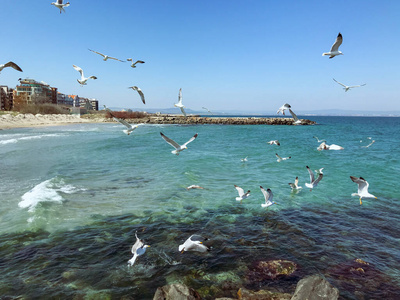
<point x="6" y="98"/>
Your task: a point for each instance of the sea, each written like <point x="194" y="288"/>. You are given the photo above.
<point x="73" y="197"/>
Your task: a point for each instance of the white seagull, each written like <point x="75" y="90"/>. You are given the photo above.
<point x="279" y="159"/>
<point x="362" y="188"/>
<point x="11" y="65"/>
<point x="268" y="197"/>
<point x="295" y="118"/>
<point x="244" y="159"/>
<point x="324" y="146"/>
<point x="178" y="148"/>
<point x="135" y="88"/>
<point x="295" y="185"/>
<point x="335" y="47"/>
<point x="346" y="87"/>
<point x="274" y="142"/>
<point x="179" y="104"/>
<point x="83" y="79"/>
<point x="313" y="182"/>
<point x="129" y="127"/>
<point x="194" y="186"/>
<point x="59" y="4"/>
<point x="318" y="140"/>
<point x="105" y="57"/>
<point x="242" y="194"/>
<point x="373" y="141"/>
<point x="139" y="248"/>
<point x="207" y="110"/>
<point x="133" y="65"/>
<point x="283" y="108"/>
<point x="194" y="243"/>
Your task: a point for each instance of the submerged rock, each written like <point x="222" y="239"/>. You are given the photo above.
<point x="316" y="288"/>
<point x="244" y="294"/>
<point x="266" y="270"/>
<point x="176" y="291"/>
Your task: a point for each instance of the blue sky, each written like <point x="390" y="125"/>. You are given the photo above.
<point x="250" y="55"/>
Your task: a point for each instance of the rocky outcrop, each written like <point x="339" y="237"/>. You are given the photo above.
<point x="244" y="294"/>
<point x="315" y="287"/>
<point x="273" y="269"/>
<point x="176" y="291"/>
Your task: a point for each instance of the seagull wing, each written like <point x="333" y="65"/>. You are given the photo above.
<point x="240" y="190"/>
<point x="353" y="86"/>
<point x="311" y="174"/>
<point x="197" y="238"/>
<point x="339" y="82"/>
<point x="169" y="141"/>
<point x="362" y="184"/>
<point x="13" y="65"/>
<point x="320" y="175"/>
<point x="267" y="194"/>
<point x="59" y="2"/>
<point x="139" y="243"/>
<point x="338" y="42"/>
<point x="115" y="59"/>
<point x="295" y="118"/>
<point x="296" y="181"/>
<point x="183" y="111"/>
<point x="141" y="95"/>
<point x="276" y="154"/>
<point x="191" y="140"/>
<point x="139" y="62"/>
<point x="98" y="53"/>
<point x="79" y="70"/>
<point x="180" y="96"/>
<point x="123" y="122"/>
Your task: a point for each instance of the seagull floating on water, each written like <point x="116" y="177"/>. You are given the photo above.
<point x="105" y="57"/>
<point x="274" y="142"/>
<point x="268" y="197"/>
<point x="313" y="182"/>
<point x="59" y="4"/>
<point x="83" y="79"/>
<point x="194" y="243"/>
<point x="362" y="188"/>
<point x="335" y="47"/>
<point x="10" y="64"/>
<point x="295" y="185"/>
<point x="283" y="108"/>
<point x="279" y="159"/>
<point x="296" y="120"/>
<point x="135" y="88"/>
<point x="346" y="87"/>
<point x="193" y="186"/>
<point x="139" y="248"/>
<point x="179" y="104"/>
<point x="133" y="65"/>
<point x="242" y="194"/>
<point x="178" y="148"/>
<point x="324" y="146"/>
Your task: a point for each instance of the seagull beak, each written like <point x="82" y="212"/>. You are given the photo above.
<point x="182" y="251"/>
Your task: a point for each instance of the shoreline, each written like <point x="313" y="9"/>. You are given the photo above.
<point x="10" y="121"/>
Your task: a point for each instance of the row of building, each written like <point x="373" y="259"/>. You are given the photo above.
<point x="30" y="91"/>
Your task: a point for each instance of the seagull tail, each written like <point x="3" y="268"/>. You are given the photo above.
<point x="132" y="260"/>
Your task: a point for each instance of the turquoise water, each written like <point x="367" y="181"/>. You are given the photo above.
<point x="73" y="196"/>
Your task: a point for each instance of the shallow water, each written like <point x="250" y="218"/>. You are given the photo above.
<point x="73" y="197"/>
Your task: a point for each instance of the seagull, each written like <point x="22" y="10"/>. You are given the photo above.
<point x="135" y="88"/>
<point x="207" y="110"/>
<point x="83" y="80"/>
<point x="335" y="47"/>
<point x="295" y="185"/>
<point x="274" y="142"/>
<point x="242" y="194"/>
<point x="178" y="148"/>
<point x="59" y="4"/>
<point x="373" y="141"/>
<point x="179" y="104"/>
<point x="313" y="182"/>
<point x="279" y="159"/>
<point x="133" y="65"/>
<point x="346" y="87"/>
<point x="283" y="108"/>
<point x="10" y="64"/>
<point x="129" y="127"/>
<point x="362" y="188"/>
<point x="193" y="186"/>
<point x="194" y="243"/>
<point x="105" y="57"/>
<point x="324" y="146"/>
<point x="318" y="140"/>
<point x="268" y="197"/>
<point x="139" y="248"/>
<point x="295" y="118"/>
<point x="244" y="159"/>
<point x="319" y="171"/>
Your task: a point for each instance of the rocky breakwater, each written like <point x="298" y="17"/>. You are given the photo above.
<point x="190" y="120"/>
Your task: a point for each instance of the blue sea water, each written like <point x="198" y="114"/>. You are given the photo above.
<point x="72" y="198"/>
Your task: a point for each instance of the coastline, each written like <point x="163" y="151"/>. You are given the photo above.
<point x="10" y="121"/>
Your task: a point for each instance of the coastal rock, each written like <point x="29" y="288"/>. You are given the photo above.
<point x="244" y="294"/>
<point x="266" y="270"/>
<point x="176" y="291"/>
<point x="316" y="288"/>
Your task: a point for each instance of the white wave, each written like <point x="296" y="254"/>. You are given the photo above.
<point x="32" y="137"/>
<point x="10" y="141"/>
<point x="46" y="191"/>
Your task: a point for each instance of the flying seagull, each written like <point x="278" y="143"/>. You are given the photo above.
<point x="295" y="118"/>
<point x="335" y="47"/>
<point x="139" y="248"/>
<point x="279" y="159"/>
<point x="135" y="88"/>
<point x="295" y="185"/>
<point x="362" y="188"/>
<point x="346" y="87"/>
<point x="274" y="142"/>
<point x="373" y="141"/>
<point x="105" y="57"/>
<point x="207" y="110"/>
<point x="194" y="243"/>
<point x="244" y="159"/>
<point x="242" y="194"/>
<point x="83" y="79"/>
<point x="133" y="65"/>
<point x="129" y="127"/>
<point x="178" y="148"/>
<point x="194" y="186"/>
<point x="179" y="104"/>
<point x="268" y="197"/>
<point x="10" y="64"/>
<point x="313" y="182"/>
<point x="283" y="108"/>
<point x="319" y="141"/>
<point x="59" y="4"/>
